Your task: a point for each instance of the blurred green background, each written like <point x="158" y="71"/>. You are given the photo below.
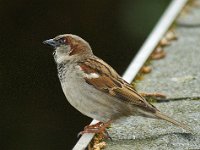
<point x="34" y="112"/>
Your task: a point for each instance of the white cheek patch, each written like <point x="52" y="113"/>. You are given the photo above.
<point x="62" y="54"/>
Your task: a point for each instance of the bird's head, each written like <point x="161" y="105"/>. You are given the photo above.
<point x="69" y="47"/>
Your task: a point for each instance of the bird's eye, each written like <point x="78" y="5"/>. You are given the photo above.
<point x="62" y="41"/>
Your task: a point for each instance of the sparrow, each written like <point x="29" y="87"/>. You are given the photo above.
<point x="94" y="88"/>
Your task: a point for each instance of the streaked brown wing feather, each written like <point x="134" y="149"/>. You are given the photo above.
<point x="111" y="83"/>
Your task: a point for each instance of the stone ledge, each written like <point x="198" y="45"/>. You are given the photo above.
<point x="177" y="76"/>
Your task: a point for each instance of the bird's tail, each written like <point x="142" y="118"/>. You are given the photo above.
<point x="159" y="115"/>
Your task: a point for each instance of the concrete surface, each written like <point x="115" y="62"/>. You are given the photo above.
<point x="177" y="75"/>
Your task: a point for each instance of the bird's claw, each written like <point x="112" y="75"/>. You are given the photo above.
<point x="98" y="128"/>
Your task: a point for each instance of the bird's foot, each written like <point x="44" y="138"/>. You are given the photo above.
<point x="98" y="128"/>
<point x="154" y="97"/>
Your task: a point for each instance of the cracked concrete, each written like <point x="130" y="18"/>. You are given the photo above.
<point x="177" y="75"/>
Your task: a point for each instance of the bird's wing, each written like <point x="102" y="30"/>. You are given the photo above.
<point x="108" y="81"/>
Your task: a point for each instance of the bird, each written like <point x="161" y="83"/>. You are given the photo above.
<point x="95" y="89"/>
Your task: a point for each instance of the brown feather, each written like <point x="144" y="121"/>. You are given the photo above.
<point x="159" y="115"/>
<point x="111" y="83"/>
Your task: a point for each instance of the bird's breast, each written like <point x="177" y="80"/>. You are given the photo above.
<point x="86" y="98"/>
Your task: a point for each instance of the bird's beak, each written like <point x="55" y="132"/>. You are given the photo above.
<point x="51" y="42"/>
